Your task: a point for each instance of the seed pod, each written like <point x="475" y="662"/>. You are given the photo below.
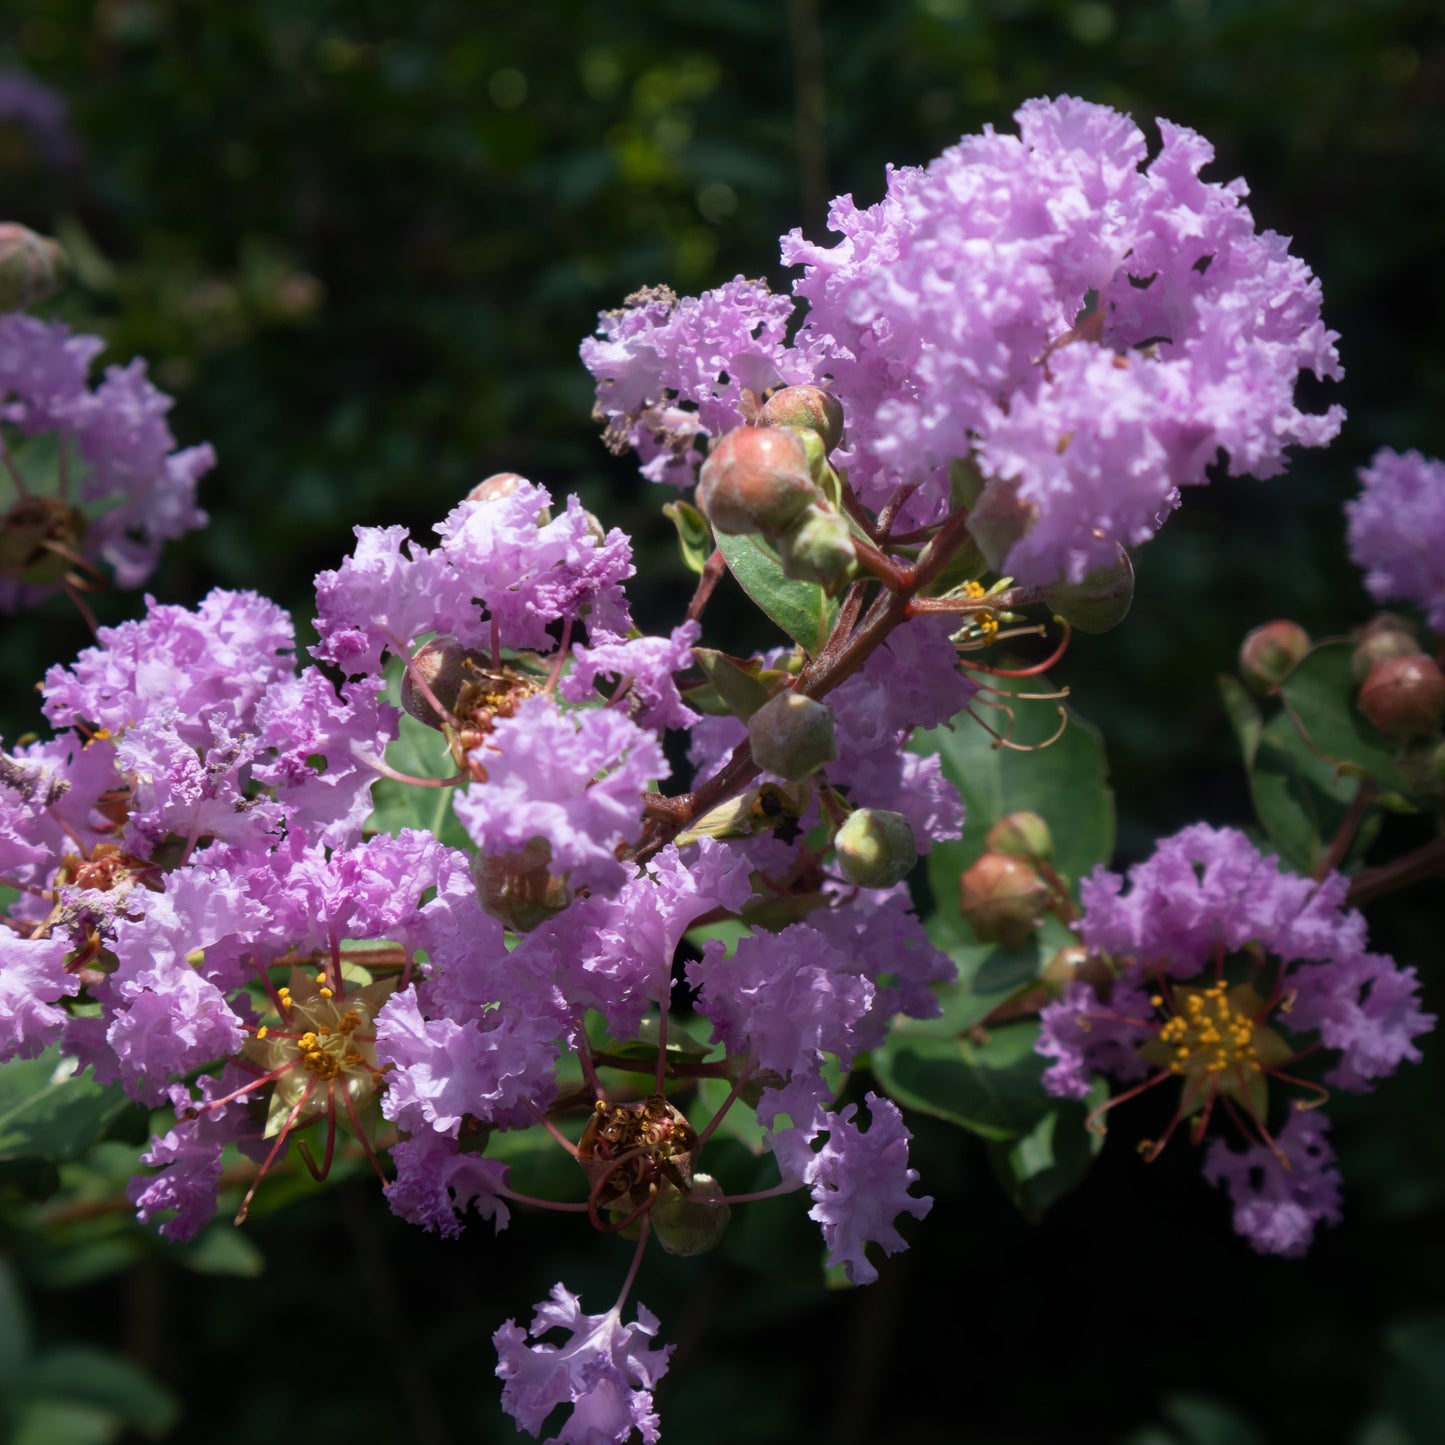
<point x="446" y="667"/>
<point x="876" y="849"/>
<point x="1269" y="653"/>
<point x="792" y="736"/>
<point x="695" y="1222"/>
<point x="1375" y="646"/>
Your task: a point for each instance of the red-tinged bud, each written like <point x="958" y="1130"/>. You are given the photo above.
<point x="876" y="849"/>
<point x="1003" y="899"/>
<point x="792" y="736"/>
<point x="1100" y="602"/>
<point x="759" y="479"/>
<point x="446" y="667"/>
<point x="809" y="407"/>
<point x="32" y="267"/>
<point x="519" y="889"/>
<point x="496" y="486"/>
<point x="1021" y="835"/>
<point x="1269" y="653"/>
<point x="819" y="548"/>
<point x="1422" y="766"/>
<point x="1404" y="697"/>
<point x="1378" y="644"/>
<point x="695" y="1222"/>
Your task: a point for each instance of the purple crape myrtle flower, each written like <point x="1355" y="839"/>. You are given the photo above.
<point x="605" y="1369"/>
<point x="120" y="490"/>
<point x="43" y="113"/>
<point x="859" y="1182"/>
<point x="1093" y="327"/>
<point x="32" y="978"/>
<point x="435" y="1183"/>
<point x="504" y="573"/>
<point x="673" y="375"/>
<point x="574" y="780"/>
<point x="1280" y="1194"/>
<point x="1397" y="531"/>
<point x="645" y="668"/>
<point x="1227" y="970"/>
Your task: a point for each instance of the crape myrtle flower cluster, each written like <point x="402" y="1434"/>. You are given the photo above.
<point x="97" y="485"/>
<point x="1012" y="365"/>
<point x="1228" y="974"/>
<point x="1397" y="531"/>
<point x="1090" y="330"/>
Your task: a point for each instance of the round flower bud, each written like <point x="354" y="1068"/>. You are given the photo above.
<point x="875" y="848"/>
<point x="518" y="889"/>
<point x="1375" y="646"/>
<point x="792" y="736"/>
<point x="32" y="267"/>
<point x="496" y="486"/>
<point x="1002" y="899"/>
<point x="1267" y="654"/>
<point x="695" y="1222"/>
<point x="1000" y="519"/>
<point x="446" y="666"/>
<point x="758" y="479"/>
<point x="809" y="407"/>
<point x="1100" y="602"/>
<point x="1404" y="697"/>
<point x="1422" y="766"/>
<point x="1021" y="835"/>
<point x="819" y="548"/>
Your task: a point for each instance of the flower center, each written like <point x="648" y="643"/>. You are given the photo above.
<point x="1210" y="1034"/>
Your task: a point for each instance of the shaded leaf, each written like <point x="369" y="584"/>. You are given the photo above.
<point x="1320" y="694"/>
<point x="693" y="534"/>
<point x="801" y="609"/>
<point x="50" y="1110"/>
<point x="1040" y="1167"/>
<point x="992" y="1086"/>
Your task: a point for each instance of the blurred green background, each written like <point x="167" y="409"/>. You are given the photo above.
<point x="360" y="242"/>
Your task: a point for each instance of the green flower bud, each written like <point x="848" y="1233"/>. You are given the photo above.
<point x="792" y="736"/>
<point x="1003" y="899"/>
<point x="1404" y="697"/>
<point x="1021" y="835"/>
<point x="32" y="267"/>
<point x="695" y="1222"/>
<point x="1375" y="645"/>
<point x="759" y="479"/>
<point x="876" y="849"/>
<point x="519" y="889"/>
<point x="819" y="549"/>
<point x="1269" y="653"/>
<point x="1100" y="602"/>
<point x="809" y="407"/>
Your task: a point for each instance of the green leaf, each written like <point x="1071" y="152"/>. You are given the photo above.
<point x="1039" y="1168"/>
<point x="740" y="1122"/>
<point x="1415" y="1379"/>
<point x="1065" y="783"/>
<point x="992" y="1087"/>
<point x="1299" y="798"/>
<point x="50" y="1110"/>
<point x="1320" y="694"/>
<point x="80" y="1375"/>
<point x="14" y="1329"/>
<point x="1204" y="1421"/>
<point x="421" y="752"/>
<point x="693" y="534"/>
<point x="221" y="1249"/>
<point x="802" y="609"/>
<point x="740" y="687"/>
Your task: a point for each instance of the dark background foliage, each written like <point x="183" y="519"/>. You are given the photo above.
<point x="359" y="242"/>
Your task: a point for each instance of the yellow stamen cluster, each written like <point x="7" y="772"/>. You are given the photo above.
<point x="1209" y="1035"/>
